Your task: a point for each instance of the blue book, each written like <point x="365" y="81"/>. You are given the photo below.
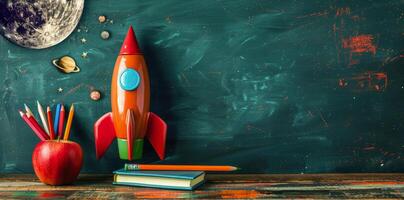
<point x="178" y="180"/>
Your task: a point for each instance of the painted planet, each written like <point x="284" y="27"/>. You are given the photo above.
<point x="39" y="24"/>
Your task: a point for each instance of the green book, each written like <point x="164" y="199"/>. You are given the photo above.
<point x="178" y="180"/>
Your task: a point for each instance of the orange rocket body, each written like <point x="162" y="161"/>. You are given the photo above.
<point x="130" y="121"/>
<point x="123" y="100"/>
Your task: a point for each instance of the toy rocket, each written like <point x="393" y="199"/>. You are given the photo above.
<point x="130" y="120"/>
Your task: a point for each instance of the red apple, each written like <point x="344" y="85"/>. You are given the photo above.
<point x="57" y="162"/>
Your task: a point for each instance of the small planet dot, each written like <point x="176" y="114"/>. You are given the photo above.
<point x="102" y="18"/>
<point x="95" y="95"/>
<point x="105" y="35"/>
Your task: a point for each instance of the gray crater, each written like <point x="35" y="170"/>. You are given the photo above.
<point x="39" y="24"/>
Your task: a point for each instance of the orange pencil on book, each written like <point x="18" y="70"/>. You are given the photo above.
<point x="35" y="129"/>
<point x="179" y="167"/>
<point x="50" y="123"/>
<point x="61" y="122"/>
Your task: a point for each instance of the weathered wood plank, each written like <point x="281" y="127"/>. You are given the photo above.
<point x="224" y="194"/>
<point x="311" y="186"/>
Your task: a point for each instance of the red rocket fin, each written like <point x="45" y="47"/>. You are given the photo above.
<point x="156" y="133"/>
<point x="104" y="134"/>
<point x="130" y="46"/>
<point x="130" y="121"/>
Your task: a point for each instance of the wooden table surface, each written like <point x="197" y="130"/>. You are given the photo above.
<point x="298" y="186"/>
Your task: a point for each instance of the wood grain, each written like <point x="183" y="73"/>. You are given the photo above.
<point x="304" y="186"/>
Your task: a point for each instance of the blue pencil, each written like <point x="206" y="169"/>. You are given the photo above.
<point x="56" y="122"/>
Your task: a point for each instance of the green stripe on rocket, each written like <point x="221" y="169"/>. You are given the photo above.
<point x="137" y="149"/>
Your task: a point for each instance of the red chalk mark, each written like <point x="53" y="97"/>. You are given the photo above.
<point x="342" y="83"/>
<point x="343" y="11"/>
<point x="374" y="80"/>
<point x="367" y="81"/>
<point x="360" y="44"/>
<point x="381" y="77"/>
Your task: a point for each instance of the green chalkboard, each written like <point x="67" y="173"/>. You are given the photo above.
<point x="272" y="86"/>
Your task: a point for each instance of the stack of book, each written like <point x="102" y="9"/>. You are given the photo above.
<point x="180" y="177"/>
<point x="180" y="180"/>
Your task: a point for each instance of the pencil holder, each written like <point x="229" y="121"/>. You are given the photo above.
<point x="57" y="162"/>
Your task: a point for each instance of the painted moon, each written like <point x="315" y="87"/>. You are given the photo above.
<point x="39" y="24"/>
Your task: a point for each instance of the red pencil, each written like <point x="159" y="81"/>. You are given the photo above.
<point x="36" y="131"/>
<point x="50" y="123"/>
<point x="61" y="121"/>
<point x="37" y="126"/>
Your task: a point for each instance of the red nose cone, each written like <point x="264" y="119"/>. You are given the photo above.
<point x="130" y="46"/>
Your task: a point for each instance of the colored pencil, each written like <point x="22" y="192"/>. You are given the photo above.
<point x="50" y="123"/>
<point x="37" y="126"/>
<point x="28" y="111"/>
<point x="36" y="131"/>
<point x="56" y="121"/>
<point x="42" y="115"/>
<point x="179" y="167"/>
<point x="69" y="123"/>
<point x="61" y="121"/>
<point x="32" y="118"/>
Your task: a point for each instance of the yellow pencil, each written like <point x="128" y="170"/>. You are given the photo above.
<point x="69" y="123"/>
